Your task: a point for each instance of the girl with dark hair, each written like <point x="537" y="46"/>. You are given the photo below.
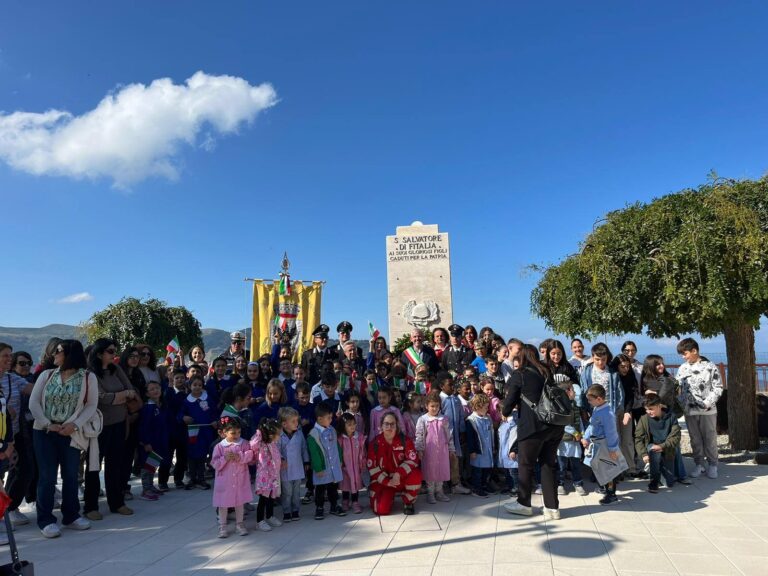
<point x="470" y="336"/>
<point x="537" y="441"/>
<point x="555" y="360"/>
<point x="115" y="391"/>
<point x="440" y="340"/>
<point x="63" y="400"/>
<point x="629" y="381"/>
<point x="129" y="362"/>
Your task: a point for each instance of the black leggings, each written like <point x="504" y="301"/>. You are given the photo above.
<point x="346" y="496"/>
<point x="265" y="508"/>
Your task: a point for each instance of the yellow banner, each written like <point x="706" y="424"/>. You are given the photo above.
<point x="297" y="315"/>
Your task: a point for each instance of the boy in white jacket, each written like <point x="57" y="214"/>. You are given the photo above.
<point x="701" y="387"/>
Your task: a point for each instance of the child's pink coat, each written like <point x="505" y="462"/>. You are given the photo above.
<point x="267" y="457"/>
<point x="354" y="454"/>
<point x="233" y="482"/>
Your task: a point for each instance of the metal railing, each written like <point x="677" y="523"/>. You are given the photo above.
<point x="761" y="371"/>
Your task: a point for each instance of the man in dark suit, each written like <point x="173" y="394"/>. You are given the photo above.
<point x="312" y="360"/>
<point x="345" y="335"/>
<point x="457" y="356"/>
<point x="418" y="353"/>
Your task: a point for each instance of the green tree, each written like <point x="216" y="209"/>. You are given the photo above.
<point x="694" y="261"/>
<point x="150" y="321"/>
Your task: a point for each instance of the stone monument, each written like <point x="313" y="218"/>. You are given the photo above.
<point x="418" y="279"/>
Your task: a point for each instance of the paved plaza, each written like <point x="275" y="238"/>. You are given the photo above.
<point x="711" y="527"/>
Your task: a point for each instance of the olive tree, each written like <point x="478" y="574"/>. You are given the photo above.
<point x="149" y="321"/>
<point x="693" y="261"/>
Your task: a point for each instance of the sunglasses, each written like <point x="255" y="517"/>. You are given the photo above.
<point x="59" y="351"/>
<point x="23" y="363"/>
<point x="142" y="354"/>
<point x="110" y="351"/>
<point x="629" y="350"/>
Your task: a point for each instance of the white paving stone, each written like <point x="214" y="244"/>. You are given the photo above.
<point x="712" y="527"/>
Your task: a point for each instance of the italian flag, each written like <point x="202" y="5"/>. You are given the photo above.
<point x="152" y="462"/>
<point x="173" y="346"/>
<point x="230" y="411"/>
<point x="285" y="285"/>
<point x="192" y="431"/>
<point x="420" y="387"/>
<point x="400" y="383"/>
<point x="373" y="331"/>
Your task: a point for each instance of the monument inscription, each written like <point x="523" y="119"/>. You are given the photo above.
<point x="418" y="279"/>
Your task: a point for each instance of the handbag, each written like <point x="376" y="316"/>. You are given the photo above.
<point x="554" y="407"/>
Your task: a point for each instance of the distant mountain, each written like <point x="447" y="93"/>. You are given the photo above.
<point x="33" y="340"/>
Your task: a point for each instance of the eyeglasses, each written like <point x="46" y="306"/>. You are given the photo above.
<point x="388" y="424"/>
<point x="142" y="354"/>
<point x="110" y="351"/>
<point x="134" y="356"/>
<point x="59" y="351"/>
<point x="629" y="350"/>
<point x="23" y="363"/>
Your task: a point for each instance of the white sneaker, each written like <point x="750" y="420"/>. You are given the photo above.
<point x="697" y="471"/>
<point x="551" y="514"/>
<point x="274" y="521"/>
<point x="79" y="524"/>
<point x="18" y="518"/>
<point x="51" y="531"/>
<point x="561" y="490"/>
<point x="459" y="489"/>
<point x="431" y="498"/>
<point x="712" y="471"/>
<point x="264" y="526"/>
<point x="538" y="489"/>
<point x="442" y="497"/>
<point x="514" y="507"/>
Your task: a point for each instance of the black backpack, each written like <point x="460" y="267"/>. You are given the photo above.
<point x="554" y="407"/>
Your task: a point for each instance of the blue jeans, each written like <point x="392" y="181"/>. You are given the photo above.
<point x="679" y="466"/>
<point x="290" y="496"/>
<point x="659" y="466"/>
<point x="563" y="462"/>
<point x="51" y="452"/>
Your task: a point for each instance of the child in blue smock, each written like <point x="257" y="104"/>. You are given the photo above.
<point x="480" y="444"/>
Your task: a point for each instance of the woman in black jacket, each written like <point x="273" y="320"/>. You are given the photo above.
<point x="536" y="440"/>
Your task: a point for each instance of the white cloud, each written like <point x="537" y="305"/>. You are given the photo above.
<point x="75" y="298"/>
<point x="133" y="133"/>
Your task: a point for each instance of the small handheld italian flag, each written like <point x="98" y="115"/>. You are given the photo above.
<point x="152" y="462"/>
<point x="373" y="331"/>
<point x="285" y="285"/>
<point x="400" y="384"/>
<point x="420" y="387"/>
<point x="343" y="382"/>
<point x="173" y="346"/>
<point x="230" y="411"/>
<point x="192" y="432"/>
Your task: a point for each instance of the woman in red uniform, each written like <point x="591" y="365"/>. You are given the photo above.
<point x="394" y="467"/>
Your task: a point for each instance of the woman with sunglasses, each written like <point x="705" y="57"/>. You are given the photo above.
<point x="63" y="399"/>
<point x="115" y="391"/>
<point x="148" y="363"/>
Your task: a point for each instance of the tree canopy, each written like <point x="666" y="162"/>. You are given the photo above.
<point x="149" y="321"/>
<point x="693" y="261"/>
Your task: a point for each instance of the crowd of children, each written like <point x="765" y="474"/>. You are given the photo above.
<point x="269" y="435"/>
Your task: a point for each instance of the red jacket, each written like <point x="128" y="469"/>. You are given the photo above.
<point x="385" y="459"/>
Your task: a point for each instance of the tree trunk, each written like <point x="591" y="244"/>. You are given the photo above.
<point x="742" y="387"/>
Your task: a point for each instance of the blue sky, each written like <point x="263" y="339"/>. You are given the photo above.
<point x="513" y="126"/>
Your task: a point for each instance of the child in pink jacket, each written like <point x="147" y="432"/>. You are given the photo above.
<point x="266" y="449"/>
<point x="352" y="445"/>
<point x="232" y="489"/>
